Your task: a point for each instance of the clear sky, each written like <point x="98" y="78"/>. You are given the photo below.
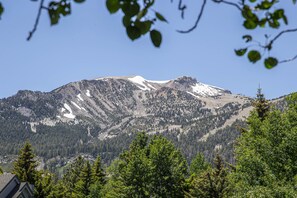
<point x="92" y="43"/>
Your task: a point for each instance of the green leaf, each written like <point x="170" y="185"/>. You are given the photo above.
<point x="262" y="22"/>
<point x="285" y="19"/>
<point x="142" y="13"/>
<point x="144" y="26"/>
<point x="161" y="17"/>
<point x="79" y="1"/>
<point x="270" y="62"/>
<point x="113" y="6"/>
<point x="278" y="14"/>
<point x="252" y="1"/>
<point x="254" y="56"/>
<point x="265" y="5"/>
<point x="64" y="8"/>
<point x="55" y="9"/>
<point x="126" y="20"/>
<point x="248" y="38"/>
<point x="274" y="23"/>
<point x="240" y="52"/>
<point x="294" y="1"/>
<point x="133" y="32"/>
<point x="1" y="9"/>
<point x="130" y="9"/>
<point x="249" y="24"/>
<point x="156" y="38"/>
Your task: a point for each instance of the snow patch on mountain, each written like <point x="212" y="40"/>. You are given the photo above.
<point x="192" y="94"/>
<point x="140" y="81"/>
<point x="158" y="81"/>
<point x="206" y="90"/>
<point x="88" y="93"/>
<point x="80" y="98"/>
<point x="76" y="105"/>
<point x="70" y="114"/>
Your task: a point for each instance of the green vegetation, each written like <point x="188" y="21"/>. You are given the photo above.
<point x="266" y="165"/>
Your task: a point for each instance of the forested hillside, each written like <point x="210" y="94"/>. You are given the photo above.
<point x="152" y="166"/>
<point x="102" y="116"/>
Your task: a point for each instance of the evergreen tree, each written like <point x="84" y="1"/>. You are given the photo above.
<point x="169" y="168"/>
<point x="43" y="185"/>
<point x="25" y="165"/>
<point x="198" y="165"/>
<point x="212" y="183"/>
<point x="266" y="154"/>
<point x="132" y="171"/>
<point x="60" y="191"/>
<point x="147" y="169"/>
<point x="98" y="174"/>
<point x="82" y="187"/>
<point x="73" y="172"/>
<point x="261" y="105"/>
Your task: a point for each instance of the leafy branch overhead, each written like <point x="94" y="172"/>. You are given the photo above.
<point x="140" y="16"/>
<point x="137" y="18"/>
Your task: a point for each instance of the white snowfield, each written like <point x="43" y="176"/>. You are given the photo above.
<point x="197" y="90"/>
<point x="88" y="93"/>
<point x="206" y="90"/>
<point x="140" y="81"/>
<point x="80" y="98"/>
<point x="76" y="105"/>
<point x="70" y="114"/>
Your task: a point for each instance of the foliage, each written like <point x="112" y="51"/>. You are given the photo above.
<point x="98" y="175"/>
<point x="44" y="184"/>
<point x="211" y="183"/>
<point x="149" y="168"/>
<point x="25" y="165"/>
<point x="72" y="175"/>
<point x="199" y="165"/>
<point x="265" y="157"/>
<point x="82" y="186"/>
<point x="261" y="105"/>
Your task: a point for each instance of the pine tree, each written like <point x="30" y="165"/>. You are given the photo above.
<point x="98" y="174"/>
<point x="72" y="175"/>
<point x="60" y="191"/>
<point x="261" y="105"/>
<point x="212" y="183"/>
<point x="198" y="165"/>
<point x="25" y="165"/>
<point x="82" y="187"/>
<point x="43" y="185"/>
<point x="266" y="160"/>
<point x="168" y="169"/>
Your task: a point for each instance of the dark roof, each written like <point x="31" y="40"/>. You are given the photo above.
<point x="5" y="178"/>
<point x="21" y="188"/>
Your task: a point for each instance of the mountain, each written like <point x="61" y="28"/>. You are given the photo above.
<point x="102" y="116"/>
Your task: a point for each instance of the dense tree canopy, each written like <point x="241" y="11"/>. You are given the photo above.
<point x="140" y="17"/>
<point x="266" y="165"/>
<point x="265" y="154"/>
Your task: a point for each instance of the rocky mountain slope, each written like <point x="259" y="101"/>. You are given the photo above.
<point x="93" y="116"/>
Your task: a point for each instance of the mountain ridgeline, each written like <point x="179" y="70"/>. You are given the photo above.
<point x="101" y="116"/>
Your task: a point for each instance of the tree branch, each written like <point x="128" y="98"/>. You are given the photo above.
<point x="36" y="21"/>
<point x="181" y="8"/>
<point x="279" y="35"/>
<point x="197" y="20"/>
<point x="288" y="60"/>
<point x="228" y="3"/>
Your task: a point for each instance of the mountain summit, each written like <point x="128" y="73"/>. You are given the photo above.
<point x="80" y="113"/>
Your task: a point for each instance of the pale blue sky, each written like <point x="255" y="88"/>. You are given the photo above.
<point x="92" y="43"/>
